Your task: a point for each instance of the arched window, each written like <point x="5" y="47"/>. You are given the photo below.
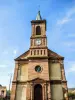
<point x="38" y="30"/>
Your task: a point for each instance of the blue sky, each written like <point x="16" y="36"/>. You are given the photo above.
<point x="15" y="32"/>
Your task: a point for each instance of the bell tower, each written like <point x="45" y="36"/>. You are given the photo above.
<point x="38" y="40"/>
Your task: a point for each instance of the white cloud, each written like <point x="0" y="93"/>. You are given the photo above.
<point x="63" y="21"/>
<point x="11" y="51"/>
<point x="70" y="12"/>
<point x="69" y="43"/>
<point x="15" y="52"/>
<point x="67" y="17"/>
<point x="3" y="66"/>
<point x="70" y="67"/>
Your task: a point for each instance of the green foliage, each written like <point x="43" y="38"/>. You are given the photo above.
<point x="8" y="93"/>
<point x="71" y="95"/>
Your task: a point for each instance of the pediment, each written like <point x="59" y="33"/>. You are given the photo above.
<point x="38" y="80"/>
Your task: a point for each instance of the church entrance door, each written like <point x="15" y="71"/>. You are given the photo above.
<point x="38" y="92"/>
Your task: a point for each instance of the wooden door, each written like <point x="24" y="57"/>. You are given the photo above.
<point x="38" y="92"/>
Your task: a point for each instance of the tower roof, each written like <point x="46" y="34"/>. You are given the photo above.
<point x="38" y="17"/>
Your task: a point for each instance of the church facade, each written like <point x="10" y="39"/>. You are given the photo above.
<point x="39" y="72"/>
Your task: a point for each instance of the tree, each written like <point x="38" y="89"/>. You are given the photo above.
<point x="71" y="95"/>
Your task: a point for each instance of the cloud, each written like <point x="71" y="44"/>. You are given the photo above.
<point x="70" y="68"/>
<point x="70" y="12"/>
<point x="67" y="17"/>
<point x="69" y="43"/>
<point x="15" y="52"/>
<point x="3" y="66"/>
<point x="11" y="51"/>
<point x="63" y="21"/>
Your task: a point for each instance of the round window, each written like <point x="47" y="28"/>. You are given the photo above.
<point x="37" y="68"/>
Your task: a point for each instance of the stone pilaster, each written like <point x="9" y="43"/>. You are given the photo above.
<point x="45" y="92"/>
<point x="64" y="82"/>
<point x="14" y="85"/>
<point x="28" y="92"/>
<point x="49" y="92"/>
<point x="31" y="91"/>
<point x="62" y="72"/>
<point x="13" y="92"/>
<point x="16" y="71"/>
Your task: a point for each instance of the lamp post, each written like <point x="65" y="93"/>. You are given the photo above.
<point x="10" y="84"/>
<point x="10" y="81"/>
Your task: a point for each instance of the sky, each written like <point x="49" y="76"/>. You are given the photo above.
<point x="15" y="32"/>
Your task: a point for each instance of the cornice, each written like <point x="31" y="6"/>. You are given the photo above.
<point x="38" y="36"/>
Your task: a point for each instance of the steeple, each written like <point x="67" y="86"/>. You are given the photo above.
<point x="38" y="17"/>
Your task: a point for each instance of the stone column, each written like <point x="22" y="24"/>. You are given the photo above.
<point x="14" y="84"/>
<point x="45" y="41"/>
<point x="28" y="92"/>
<point x="31" y="92"/>
<point x="62" y="72"/>
<point x="49" y="92"/>
<point x="13" y="92"/>
<point x="64" y="82"/>
<point x="45" y="92"/>
<point x="66" y="95"/>
<point x="16" y="71"/>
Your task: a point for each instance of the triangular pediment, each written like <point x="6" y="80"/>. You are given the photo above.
<point x="38" y="80"/>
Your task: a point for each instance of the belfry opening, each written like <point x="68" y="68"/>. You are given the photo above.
<point x="38" y="30"/>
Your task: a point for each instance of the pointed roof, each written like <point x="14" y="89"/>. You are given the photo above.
<point x="38" y="17"/>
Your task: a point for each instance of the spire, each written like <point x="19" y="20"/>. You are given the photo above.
<point x="38" y="17"/>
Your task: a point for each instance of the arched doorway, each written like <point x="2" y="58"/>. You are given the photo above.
<point x="38" y="92"/>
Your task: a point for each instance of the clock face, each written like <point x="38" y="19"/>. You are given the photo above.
<point x="38" y="69"/>
<point x="38" y="42"/>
